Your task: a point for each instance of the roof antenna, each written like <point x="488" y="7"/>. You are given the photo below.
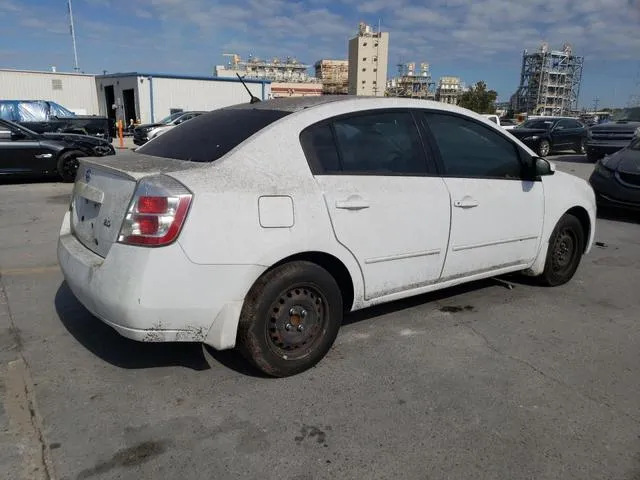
<point x="254" y="99"/>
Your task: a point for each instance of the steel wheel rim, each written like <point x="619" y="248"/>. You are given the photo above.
<point x="298" y="318"/>
<point x="564" y="250"/>
<point x="70" y="167"/>
<point x="544" y="149"/>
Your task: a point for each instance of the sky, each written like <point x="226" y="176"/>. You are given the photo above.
<point x="474" y="39"/>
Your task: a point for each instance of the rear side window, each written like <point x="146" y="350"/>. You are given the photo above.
<point x="208" y="137"/>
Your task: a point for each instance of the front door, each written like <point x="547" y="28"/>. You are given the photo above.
<point x="385" y="207"/>
<point x="563" y="135"/>
<point x="21" y="153"/>
<point x="496" y="215"/>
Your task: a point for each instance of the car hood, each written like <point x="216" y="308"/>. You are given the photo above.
<point x="75" y="139"/>
<point x="625" y="161"/>
<point x="526" y="132"/>
<point x="616" y="127"/>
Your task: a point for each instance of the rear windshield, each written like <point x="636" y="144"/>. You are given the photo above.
<point x="208" y="137"/>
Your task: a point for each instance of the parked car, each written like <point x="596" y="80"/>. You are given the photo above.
<point x="505" y="123"/>
<point x="547" y="134"/>
<point x="260" y="225"/>
<point x="24" y="152"/>
<point x="614" y="135"/>
<point x="143" y="133"/>
<point x="42" y="116"/>
<point x="616" y="178"/>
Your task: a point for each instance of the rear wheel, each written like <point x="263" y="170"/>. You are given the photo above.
<point x="290" y="319"/>
<point x="566" y="247"/>
<point x="68" y="165"/>
<point x="581" y="147"/>
<point x="544" y="147"/>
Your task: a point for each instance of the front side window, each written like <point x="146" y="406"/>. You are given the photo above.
<point x="469" y="149"/>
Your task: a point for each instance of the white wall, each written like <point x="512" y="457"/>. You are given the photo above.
<point x="78" y="91"/>
<point x="189" y="94"/>
<point x="119" y="84"/>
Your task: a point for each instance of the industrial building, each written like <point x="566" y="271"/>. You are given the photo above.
<point x="549" y="82"/>
<point x="75" y="91"/>
<point x="368" y="57"/>
<point x="411" y="83"/>
<point x="449" y="89"/>
<point x="148" y="97"/>
<point x="334" y="75"/>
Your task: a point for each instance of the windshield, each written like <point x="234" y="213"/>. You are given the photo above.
<point x="171" y="118"/>
<point x="539" y="124"/>
<point x="628" y="114"/>
<point x="208" y="137"/>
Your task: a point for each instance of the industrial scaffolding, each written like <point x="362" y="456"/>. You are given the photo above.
<point x="549" y="82"/>
<point x="276" y="69"/>
<point x="334" y="75"/>
<point x="412" y="84"/>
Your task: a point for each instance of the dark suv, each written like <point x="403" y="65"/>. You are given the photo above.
<point x="615" y="135"/>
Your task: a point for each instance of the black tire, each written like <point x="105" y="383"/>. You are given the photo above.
<point x="566" y="246"/>
<point x="290" y="319"/>
<point x="544" y="148"/>
<point x="581" y="147"/>
<point x="68" y="165"/>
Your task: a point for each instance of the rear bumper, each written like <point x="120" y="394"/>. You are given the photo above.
<point x="157" y="294"/>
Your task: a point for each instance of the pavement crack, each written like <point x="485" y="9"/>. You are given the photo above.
<point x="545" y="375"/>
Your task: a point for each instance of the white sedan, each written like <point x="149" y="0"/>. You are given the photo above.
<point x="259" y="226"/>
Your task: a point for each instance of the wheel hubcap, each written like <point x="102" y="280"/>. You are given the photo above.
<point x="298" y="318"/>
<point x="70" y="167"/>
<point x="564" y="251"/>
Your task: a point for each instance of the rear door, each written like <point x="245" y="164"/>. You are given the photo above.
<point x="563" y="134"/>
<point x="497" y="215"/>
<point x="386" y="205"/>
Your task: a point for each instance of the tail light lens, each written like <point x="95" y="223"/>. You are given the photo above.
<point x="156" y="213"/>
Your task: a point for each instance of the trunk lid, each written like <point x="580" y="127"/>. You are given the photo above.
<point x="103" y="190"/>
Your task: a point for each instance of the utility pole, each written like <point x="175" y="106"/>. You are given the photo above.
<point x="73" y="38"/>
<point x="596" y="102"/>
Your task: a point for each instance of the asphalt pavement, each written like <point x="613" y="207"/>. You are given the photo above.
<point x="480" y="381"/>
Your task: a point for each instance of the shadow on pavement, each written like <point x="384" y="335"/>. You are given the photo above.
<point x="111" y="347"/>
<point x="619" y="215"/>
<point x="570" y="157"/>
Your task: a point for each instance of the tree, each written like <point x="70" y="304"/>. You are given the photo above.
<point x="479" y="99"/>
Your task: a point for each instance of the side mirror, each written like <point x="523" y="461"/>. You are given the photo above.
<point x="5" y="135"/>
<point x="543" y="167"/>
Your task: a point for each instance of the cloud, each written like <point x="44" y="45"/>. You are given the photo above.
<point x="9" y="6"/>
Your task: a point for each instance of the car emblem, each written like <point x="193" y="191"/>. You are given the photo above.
<point x="107" y="222"/>
<point x="87" y="175"/>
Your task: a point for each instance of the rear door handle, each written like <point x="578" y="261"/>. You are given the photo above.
<point x="353" y="203"/>
<point x="466" y="203"/>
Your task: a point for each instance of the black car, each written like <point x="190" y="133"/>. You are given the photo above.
<point x="546" y="134"/>
<point x="616" y="178"/>
<point x="143" y="133"/>
<point x="43" y="116"/>
<point x="613" y="135"/>
<point x="24" y="152"/>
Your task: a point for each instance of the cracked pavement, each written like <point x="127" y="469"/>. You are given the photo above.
<point x="479" y="381"/>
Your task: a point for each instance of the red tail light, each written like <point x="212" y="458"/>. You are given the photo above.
<point x="156" y="213"/>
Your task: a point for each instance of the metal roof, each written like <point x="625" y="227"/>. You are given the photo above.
<point x="180" y="77"/>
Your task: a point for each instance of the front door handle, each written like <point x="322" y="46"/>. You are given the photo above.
<point x="466" y="203"/>
<point x="352" y="203"/>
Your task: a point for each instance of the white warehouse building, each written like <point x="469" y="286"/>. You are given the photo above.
<point x="149" y="97"/>
<point x="75" y="91"/>
<point x="144" y="97"/>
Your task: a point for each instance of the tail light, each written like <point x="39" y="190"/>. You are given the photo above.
<point x="156" y="213"/>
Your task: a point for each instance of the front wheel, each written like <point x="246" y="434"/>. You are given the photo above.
<point x="68" y="165"/>
<point x="566" y="247"/>
<point x="544" y="147"/>
<point x="290" y="318"/>
<point x="593" y="157"/>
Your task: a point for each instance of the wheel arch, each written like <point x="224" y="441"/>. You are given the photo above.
<point x="333" y="265"/>
<point x="583" y="216"/>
